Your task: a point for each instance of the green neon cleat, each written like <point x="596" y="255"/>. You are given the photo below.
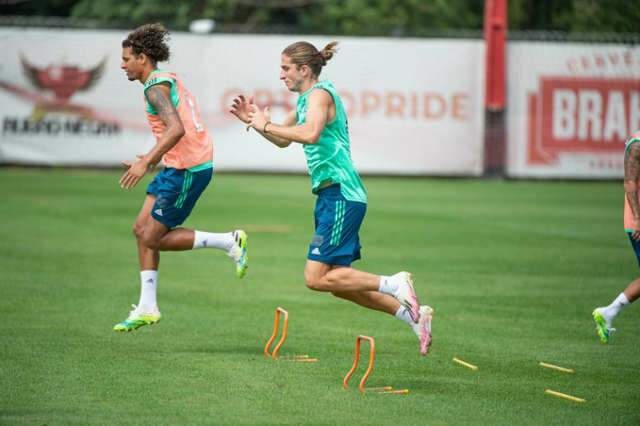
<point x="238" y="252"/>
<point x="602" y="327"/>
<point x="137" y="318"/>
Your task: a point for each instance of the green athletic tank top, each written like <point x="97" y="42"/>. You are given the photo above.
<point x="329" y="160"/>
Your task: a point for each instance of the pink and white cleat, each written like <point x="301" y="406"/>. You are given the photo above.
<point x="406" y="295"/>
<point x="424" y="329"/>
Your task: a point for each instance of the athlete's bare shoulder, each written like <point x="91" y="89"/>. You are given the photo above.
<point x="159" y="97"/>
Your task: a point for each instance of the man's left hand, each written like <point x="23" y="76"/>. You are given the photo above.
<point x="257" y="118"/>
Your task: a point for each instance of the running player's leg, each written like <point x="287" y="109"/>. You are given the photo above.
<point x="320" y="277"/>
<point x="336" y="242"/>
<point x="371" y="300"/>
<point x="604" y="316"/>
<point x="388" y="304"/>
<point x="170" y="198"/>
<point x="146" y="311"/>
<point x="177" y="196"/>
<point x="632" y="292"/>
<point x="178" y="239"/>
<point x="147" y="257"/>
<point x="315" y="271"/>
<point x="341" y="277"/>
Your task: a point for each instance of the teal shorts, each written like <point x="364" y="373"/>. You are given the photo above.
<point x="176" y="192"/>
<point x="337" y="223"/>
<point x="636" y="246"/>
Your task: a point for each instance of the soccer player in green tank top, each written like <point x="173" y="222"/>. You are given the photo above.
<point x="320" y="125"/>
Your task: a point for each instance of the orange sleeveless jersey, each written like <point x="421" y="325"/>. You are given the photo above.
<point x="196" y="146"/>
<point x="628" y="214"/>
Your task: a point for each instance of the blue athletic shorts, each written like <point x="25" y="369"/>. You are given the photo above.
<point x="636" y="247"/>
<point x="177" y="191"/>
<point x="337" y="222"/>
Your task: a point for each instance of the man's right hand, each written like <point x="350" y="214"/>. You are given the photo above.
<point x="241" y="108"/>
<point x="636" y="230"/>
<point x="135" y="171"/>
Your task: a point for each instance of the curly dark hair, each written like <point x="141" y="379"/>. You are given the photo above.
<point x="150" y="39"/>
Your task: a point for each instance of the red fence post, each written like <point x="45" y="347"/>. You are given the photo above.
<point x="495" y="29"/>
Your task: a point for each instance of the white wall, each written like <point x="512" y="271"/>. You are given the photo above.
<point x="415" y="106"/>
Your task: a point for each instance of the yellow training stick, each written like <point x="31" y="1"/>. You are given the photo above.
<point x="564" y="395"/>
<point x="465" y="364"/>
<point x="398" y="391"/>
<point x="557" y="367"/>
<point x="379" y="389"/>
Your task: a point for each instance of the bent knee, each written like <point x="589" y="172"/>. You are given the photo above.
<point x="314" y="282"/>
<point x="149" y="241"/>
<point x="138" y="230"/>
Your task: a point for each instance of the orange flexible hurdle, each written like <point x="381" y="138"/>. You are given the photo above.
<point x="372" y="356"/>
<point x="356" y="360"/>
<point x="285" y="327"/>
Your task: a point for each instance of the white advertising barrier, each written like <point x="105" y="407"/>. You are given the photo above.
<point x="64" y="100"/>
<point x="415" y="106"/>
<point x="570" y="108"/>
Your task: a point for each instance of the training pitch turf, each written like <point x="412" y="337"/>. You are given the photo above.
<point x="512" y="269"/>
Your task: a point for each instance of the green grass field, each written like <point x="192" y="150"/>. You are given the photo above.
<point x="513" y="270"/>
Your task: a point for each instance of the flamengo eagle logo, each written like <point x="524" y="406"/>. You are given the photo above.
<point x="580" y="115"/>
<point x="54" y="114"/>
<point x="64" y="81"/>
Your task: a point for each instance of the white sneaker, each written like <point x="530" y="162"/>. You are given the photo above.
<point x="406" y="295"/>
<point x="424" y="329"/>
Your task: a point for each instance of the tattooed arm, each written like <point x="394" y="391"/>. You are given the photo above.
<point x="631" y="182"/>
<point x="159" y="98"/>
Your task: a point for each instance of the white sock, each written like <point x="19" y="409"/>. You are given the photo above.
<point x="212" y="240"/>
<point x="615" y="307"/>
<point x="387" y="285"/>
<point x="403" y="314"/>
<point x="149" y="284"/>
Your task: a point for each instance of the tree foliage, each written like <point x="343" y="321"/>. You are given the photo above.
<point x="348" y="17"/>
<point x="575" y="15"/>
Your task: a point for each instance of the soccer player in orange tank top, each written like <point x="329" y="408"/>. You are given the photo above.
<point x="184" y="145"/>
<point x="604" y="316"/>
